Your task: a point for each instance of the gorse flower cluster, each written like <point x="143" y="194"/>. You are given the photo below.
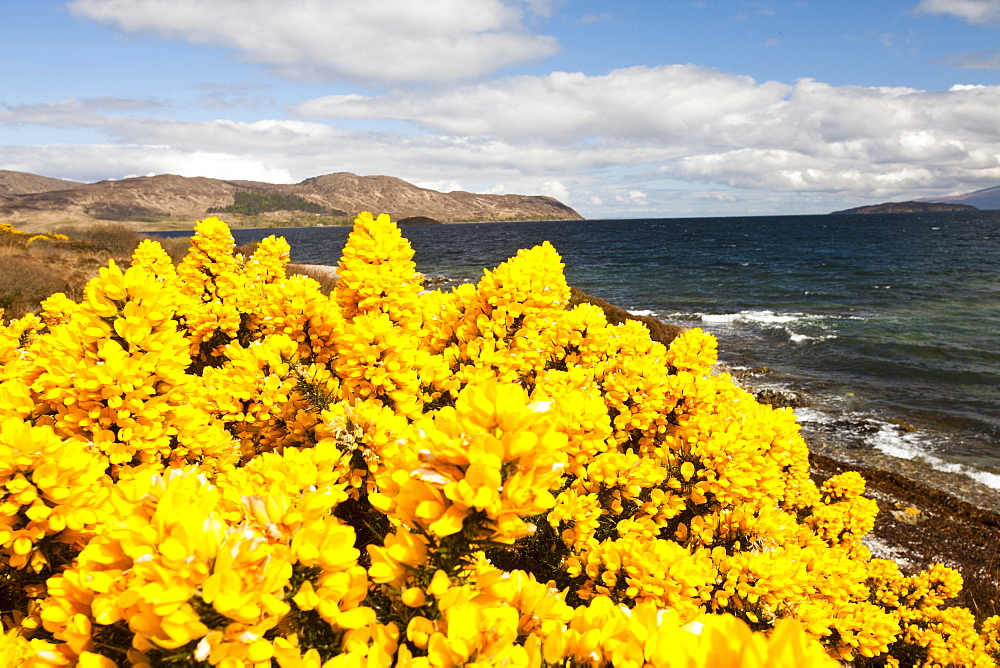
<point x="216" y="464"/>
<point x="11" y="236"/>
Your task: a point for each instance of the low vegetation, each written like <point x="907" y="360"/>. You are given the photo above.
<point x="253" y="203"/>
<point x="212" y="462"/>
<point x="33" y="267"/>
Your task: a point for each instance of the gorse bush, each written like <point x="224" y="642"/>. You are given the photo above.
<point x="216" y="464"/>
<point x="13" y="237"/>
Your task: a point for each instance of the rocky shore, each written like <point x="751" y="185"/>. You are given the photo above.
<point x="925" y="516"/>
<point x="918" y="526"/>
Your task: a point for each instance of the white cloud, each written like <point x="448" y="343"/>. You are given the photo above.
<point x="977" y="12"/>
<point x="444" y="186"/>
<point x="96" y="162"/>
<point x="715" y="196"/>
<point x="387" y="40"/>
<point x="555" y="189"/>
<point x="75" y="113"/>
<point x="704" y="125"/>
<point x="633" y="197"/>
<point x="668" y="133"/>
<point x="632" y="103"/>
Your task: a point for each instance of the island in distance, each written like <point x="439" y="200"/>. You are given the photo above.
<point x="987" y="199"/>
<point x="907" y="207"/>
<point x="36" y="203"/>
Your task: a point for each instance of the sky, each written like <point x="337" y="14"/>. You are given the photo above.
<point x="620" y="109"/>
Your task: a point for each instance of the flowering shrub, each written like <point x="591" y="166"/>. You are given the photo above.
<point x="11" y="236"/>
<point x="215" y="464"/>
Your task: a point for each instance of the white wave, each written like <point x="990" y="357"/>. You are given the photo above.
<point x="912" y="446"/>
<point x="790" y="323"/>
<point x="725" y="317"/>
<point x="759" y="317"/>
<point x="806" y="414"/>
<point x="802" y="338"/>
<point x="641" y="312"/>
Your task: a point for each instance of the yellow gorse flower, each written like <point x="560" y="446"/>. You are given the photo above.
<point x="216" y="464"/>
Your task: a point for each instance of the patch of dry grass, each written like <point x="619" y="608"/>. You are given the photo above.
<point x="176" y="247"/>
<point x="29" y="273"/>
<point x="115" y="239"/>
<point x="327" y="280"/>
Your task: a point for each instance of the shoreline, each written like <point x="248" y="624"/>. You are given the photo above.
<point x="918" y="526"/>
<point x="926" y="516"/>
<point x="869" y="438"/>
<point x="834" y="441"/>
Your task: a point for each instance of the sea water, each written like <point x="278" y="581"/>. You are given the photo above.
<point x="887" y="325"/>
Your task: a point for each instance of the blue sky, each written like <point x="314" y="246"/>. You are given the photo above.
<point x="619" y="109"/>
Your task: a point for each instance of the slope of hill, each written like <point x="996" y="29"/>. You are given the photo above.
<point x="22" y="183"/>
<point x="987" y="198"/>
<point x="32" y="202"/>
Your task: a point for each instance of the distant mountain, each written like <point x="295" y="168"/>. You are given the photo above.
<point x="905" y="207"/>
<point x="987" y="198"/>
<point x="30" y="201"/>
<point x="22" y="183"/>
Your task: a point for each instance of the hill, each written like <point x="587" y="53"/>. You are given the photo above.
<point x="906" y="207"/>
<point x="987" y="198"/>
<point x="31" y="202"/>
<point x="22" y="183"/>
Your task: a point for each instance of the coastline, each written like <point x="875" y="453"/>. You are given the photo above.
<point x="926" y="516"/>
<point x="835" y="441"/>
<point x="919" y="525"/>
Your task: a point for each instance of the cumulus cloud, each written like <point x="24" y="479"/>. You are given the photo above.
<point x="586" y="139"/>
<point x="700" y="124"/>
<point x="555" y="189"/>
<point x="630" y="103"/>
<point x="977" y="12"/>
<point x="636" y="197"/>
<point x="96" y="162"/>
<point x="384" y="41"/>
<point x="444" y="185"/>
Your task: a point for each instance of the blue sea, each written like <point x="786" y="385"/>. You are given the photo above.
<point x="887" y="325"/>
